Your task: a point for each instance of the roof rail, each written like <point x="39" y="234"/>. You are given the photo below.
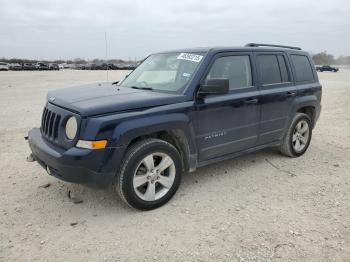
<point x="282" y="46"/>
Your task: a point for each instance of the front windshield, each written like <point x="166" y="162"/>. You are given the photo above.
<point x="168" y="72"/>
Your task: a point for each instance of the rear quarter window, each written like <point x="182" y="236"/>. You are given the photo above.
<point x="303" y="69"/>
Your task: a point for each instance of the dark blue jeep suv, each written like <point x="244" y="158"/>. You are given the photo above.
<point x="175" y="112"/>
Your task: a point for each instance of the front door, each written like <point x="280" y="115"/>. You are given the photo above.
<point x="229" y="123"/>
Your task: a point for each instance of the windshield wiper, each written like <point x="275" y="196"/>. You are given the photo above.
<point x="141" y="87"/>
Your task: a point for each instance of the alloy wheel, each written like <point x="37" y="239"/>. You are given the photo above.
<point x="301" y="136"/>
<point x="154" y="176"/>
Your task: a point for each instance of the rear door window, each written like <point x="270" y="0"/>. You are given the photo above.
<point x="303" y="70"/>
<point x="269" y="69"/>
<point x="273" y="69"/>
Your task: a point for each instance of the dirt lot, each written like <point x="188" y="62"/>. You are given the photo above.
<point x="260" y="207"/>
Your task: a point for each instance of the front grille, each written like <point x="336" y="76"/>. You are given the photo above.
<point x="53" y="125"/>
<point x="50" y="124"/>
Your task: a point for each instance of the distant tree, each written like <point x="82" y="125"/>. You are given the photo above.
<point x="79" y="61"/>
<point x="97" y="61"/>
<point x="343" y="60"/>
<point x="59" y="61"/>
<point x="323" y="58"/>
<point x="116" y="61"/>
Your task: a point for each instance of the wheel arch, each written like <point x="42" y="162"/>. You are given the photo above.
<point x="176" y="129"/>
<point x="175" y="138"/>
<point x="310" y="111"/>
<point x="307" y="105"/>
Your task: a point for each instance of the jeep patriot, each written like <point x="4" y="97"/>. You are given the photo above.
<point x="175" y="112"/>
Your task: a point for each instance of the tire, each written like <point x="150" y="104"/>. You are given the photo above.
<point x="143" y="185"/>
<point x="297" y="132"/>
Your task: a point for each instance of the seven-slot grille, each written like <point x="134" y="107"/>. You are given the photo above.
<point x="50" y="123"/>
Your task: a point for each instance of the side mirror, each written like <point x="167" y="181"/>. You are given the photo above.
<point x="215" y="86"/>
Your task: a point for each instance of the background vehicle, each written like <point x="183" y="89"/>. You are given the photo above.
<point x="42" y="66"/>
<point x="112" y="66"/>
<point x="28" y="66"/>
<point x="4" y="66"/>
<point x="16" y="67"/>
<point x="54" y="67"/>
<point x="175" y="112"/>
<point x="327" y="68"/>
<point x="126" y="66"/>
<point x="94" y="67"/>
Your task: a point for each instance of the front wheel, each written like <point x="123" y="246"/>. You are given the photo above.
<point x="297" y="138"/>
<point x="150" y="174"/>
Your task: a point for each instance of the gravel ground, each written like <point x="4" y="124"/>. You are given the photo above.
<point x="259" y="207"/>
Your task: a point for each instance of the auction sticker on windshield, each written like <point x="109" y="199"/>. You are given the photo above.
<point x="190" y="57"/>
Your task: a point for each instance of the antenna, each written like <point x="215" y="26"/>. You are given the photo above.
<point x="106" y="55"/>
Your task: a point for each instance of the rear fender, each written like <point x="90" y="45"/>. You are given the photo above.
<point x="304" y="101"/>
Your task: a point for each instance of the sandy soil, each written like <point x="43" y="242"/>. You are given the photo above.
<point x="259" y="207"/>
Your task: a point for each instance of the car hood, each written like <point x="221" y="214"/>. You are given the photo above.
<point x="96" y="99"/>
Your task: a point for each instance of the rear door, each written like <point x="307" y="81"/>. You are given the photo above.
<point x="228" y="123"/>
<point x="277" y="93"/>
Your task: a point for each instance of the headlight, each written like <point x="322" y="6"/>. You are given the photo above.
<point x="71" y="128"/>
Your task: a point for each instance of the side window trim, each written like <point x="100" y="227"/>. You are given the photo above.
<point x="274" y="84"/>
<point x="254" y="76"/>
<point x="286" y="67"/>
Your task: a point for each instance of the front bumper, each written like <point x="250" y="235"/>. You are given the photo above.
<point x="95" y="168"/>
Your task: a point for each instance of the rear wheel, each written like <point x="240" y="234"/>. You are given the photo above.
<point x="150" y="174"/>
<point x="298" y="136"/>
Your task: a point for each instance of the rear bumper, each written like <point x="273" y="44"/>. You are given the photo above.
<point x="94" y="168"/>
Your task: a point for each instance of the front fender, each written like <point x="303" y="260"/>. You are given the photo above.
<point x="178" y="123"/>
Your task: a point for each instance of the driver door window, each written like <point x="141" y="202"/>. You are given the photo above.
<point x="237" y="69"/>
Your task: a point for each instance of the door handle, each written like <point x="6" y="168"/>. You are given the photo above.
<point x="289" y="93"/>
<point x="251" y="101"/>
